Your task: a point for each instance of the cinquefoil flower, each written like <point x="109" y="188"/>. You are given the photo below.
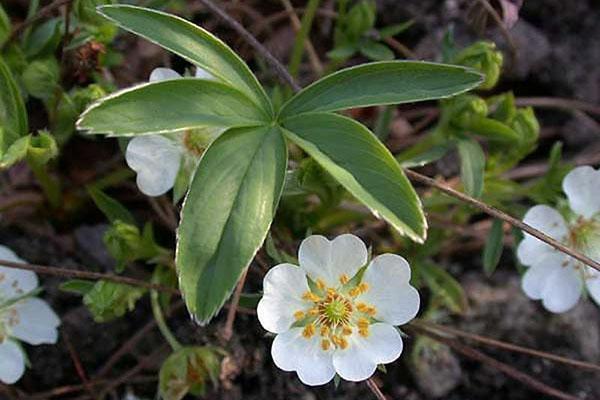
<point x="157" y="159"/>
<point x="22" y="317"/>
<point x="554" y="277"/>
<point x="331" y="315"/>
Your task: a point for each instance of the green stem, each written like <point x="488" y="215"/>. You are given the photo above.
<point x="49" y="185"/>
<point x="160" y="321"/>
<point x="298" y="50"/>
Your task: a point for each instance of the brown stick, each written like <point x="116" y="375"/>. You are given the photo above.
<point x="281" y="71"/>
<point x="233" y="306"/>
<point x="506" y="346"/>
<point x="375" y="389"/>
<point x="494" y="212"/>
<point x="558" y="102"/>
<point x="500" y="366"/>
<point x="71" y="273"/>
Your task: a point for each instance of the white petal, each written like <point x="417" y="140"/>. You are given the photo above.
<point x="203" y="74"/>
<point x="592" y="283"/>
<point x="547" y="220"/>
<point x="163" y="74"/>
<point x="582" y="187"/>
<point x="14" y="282"/>
<point x="562" y="290"/>
<point x="328" y="260"/>
<point x="156" y="160"/>
<point x="536" y="276"/>
<point x="284" y="286"/>
<point x="36" y="322"/>
<point x="292" y="352"/>
<point x="12" y="362"/>
<point x="359" y="361"/>
<point x="389" y="290"/>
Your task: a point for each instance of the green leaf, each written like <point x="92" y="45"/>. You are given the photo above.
<point x="434" y="153"/>
<point x="342" y="52"/>
<point x="393" y="30"/>
<point x="376" y="51"/>
<point x="386" y="82"/>
<point x="13" y="117"/>
<point x="77" y="286"/>
<point x="491" y="129"/>
<point x="191" y="42"/>
<point x="188" y="370"/>
<point x="363" y="165"/>
<point x="42" y="148"/>
<point x="15" y="152"/>
<point x="111" y="208"/>
<point x="4" y="25"/>
<point x="40" y="78"/>
<point x="44" y="39"/>
<point x="168" y="106"/>
<point x="227" y="213"/>
<point x="493" y="248"/>
<point x="444" y="287"/>
<point x="109" y="300"/>
<point x="472" y="164"/>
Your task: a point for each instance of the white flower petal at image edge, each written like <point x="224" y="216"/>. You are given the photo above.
<point x="156" y="161"/>
<point x="552" y="276"/>
<point x="14" y="282"/>
<point x="12" y="362"/>
<point x="327" y="322"/>
<point x="29" y="319"/>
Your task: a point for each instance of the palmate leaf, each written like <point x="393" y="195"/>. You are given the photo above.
<point x="363" y="165"/>
<point x="379" y="83"/>
<point x="168" y="106"/>
<point x="227" y="213"/>
<point x="191" y="42"/>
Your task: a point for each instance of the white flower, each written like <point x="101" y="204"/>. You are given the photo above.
<point x="22" y="317"/>
<point x="554" y="277"/>
<point x="328" y="318"/>
<point x="158" y="158"/>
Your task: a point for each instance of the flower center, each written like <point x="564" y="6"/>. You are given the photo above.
<point x="584" y="235"/>
<point x="335" y="314"/>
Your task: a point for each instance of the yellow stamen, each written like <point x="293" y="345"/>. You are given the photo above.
<point x="321" y="284"/>
<point x="343" y="344"/>
<point x="313" y="312"/>
<point x="344" y="279"/>
<point x="325" y="344"/>
<point x="324" y="331"/>
<point x="354" y="292"/>
<point x="308" y="331"/>
<point x="363" y="287"/>
<point x="372" y="311"/>
<point x="362" y="307"/>
<point x="363" y="323"/>
<point x="364" y="332"/>
<point x="310" y="296"/>
<point x="298" y="315"/>
<point x="346" y="330"/>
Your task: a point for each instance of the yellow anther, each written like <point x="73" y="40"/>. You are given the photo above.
<point x="346" y="330"/>
<point x="372" y="311"/>
<point x="343" y="343"/>
<point x="363" y="323"/>
<point x="298" y="315"/>
<point x="362" y="307"/>
<point x="325" y="344"/>
<point x="310" y="296"/>
<point x="331" y="292"/>
<point x="308" y="331"/>
<point x="321" y="284"/>
<point x="313" y="312"/>
<point x="364" y="332"/>
<point x="324" y="331"/>
<point x="344" y="279"/>
<point x="363" y="287"/>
